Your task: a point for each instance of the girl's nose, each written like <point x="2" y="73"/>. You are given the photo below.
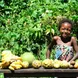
<point x="65" y="31"/>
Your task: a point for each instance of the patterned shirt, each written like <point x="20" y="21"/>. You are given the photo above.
<point x="63" y="51"/>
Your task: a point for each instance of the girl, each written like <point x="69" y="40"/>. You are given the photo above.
<point x="65" y="44"/>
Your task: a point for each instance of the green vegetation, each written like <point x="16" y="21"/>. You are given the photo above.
<point x="29" y="25"/>
<point x="1" y="75"/>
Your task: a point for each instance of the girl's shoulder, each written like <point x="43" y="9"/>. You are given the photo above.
<point x="56" y="37"/>
<point x="73" y="38"/>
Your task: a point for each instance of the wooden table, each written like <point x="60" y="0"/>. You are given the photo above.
<point x="41" y="72"/>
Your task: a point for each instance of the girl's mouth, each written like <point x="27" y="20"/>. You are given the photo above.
<point x="64" y="35"/>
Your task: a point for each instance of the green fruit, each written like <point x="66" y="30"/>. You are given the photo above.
<point x="76" y="60"/>
<point x="28" y="56"/>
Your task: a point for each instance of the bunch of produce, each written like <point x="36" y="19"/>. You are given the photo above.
<point x="61" y="64"/>
<point x="8" y="58"/>
<point x="15" y="65"/>
<point x="18" y="65"/>
<point x="27" y="59"/>
<point x="65" y="64"/>
<point x="12" y="61"/>
<point x="49" y="63"/>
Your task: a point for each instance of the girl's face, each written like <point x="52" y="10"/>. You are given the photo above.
<point x="65" y="29"/>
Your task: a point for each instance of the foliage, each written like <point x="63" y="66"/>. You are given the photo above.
<point x="1" y="75"/>
<point x="28" y="25"/>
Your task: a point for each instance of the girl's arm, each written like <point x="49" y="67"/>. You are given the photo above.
<point x="75" y="48"/>
<point x="50" y="46"/>
<point x="48" y="54"/>
<point x="49" y="50"/>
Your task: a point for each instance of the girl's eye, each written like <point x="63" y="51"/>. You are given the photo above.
<point x="63" y="28"/>
<point x="69" y="29"/>
<point x="66" y="29"/>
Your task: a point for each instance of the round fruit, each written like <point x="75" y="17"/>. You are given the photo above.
<point x="56" y="63"/>
<point x="28" y="56"/>
<point x="47" y="63"/>
<point x="25" y="64"/>
<point x="65" y="64"/>
<point x="36" y="63"/>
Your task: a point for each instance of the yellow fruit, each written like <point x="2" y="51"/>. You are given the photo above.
<point x="25" y="64"/>
<point x="47" y="63"/>
<point x="76" y="65"/>
<point x="72" y="62"/>
<point x="16" y="58"/>
<point x="36" y="63"/>
<point x="17" y="62"/>
<point x="71" y="66"/>
<point x="56" y="65"/>
<point x="11" y="68"/>
<point x="13" y="65"/>
<point x="5" y="64"/>
<point x="18" y="67"/>
<point x="0" y="65"/>
<point x="6" y="53"/>
<point x="57" y="61"/>
<point x="65" y="64"/>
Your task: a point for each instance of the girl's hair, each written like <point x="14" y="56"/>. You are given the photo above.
<point x="63" y="21"/>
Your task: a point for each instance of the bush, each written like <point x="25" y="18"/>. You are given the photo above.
<point x="25" y="25"/>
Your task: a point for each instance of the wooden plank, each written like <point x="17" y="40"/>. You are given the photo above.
<point x="41" y="72"/>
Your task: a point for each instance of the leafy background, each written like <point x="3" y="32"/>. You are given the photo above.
<point x="29" y="25"/>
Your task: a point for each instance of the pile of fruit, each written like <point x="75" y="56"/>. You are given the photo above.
<point x="12" y="61"/>
<point x="27" y="59"/>
<point x="49" y="63"/>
